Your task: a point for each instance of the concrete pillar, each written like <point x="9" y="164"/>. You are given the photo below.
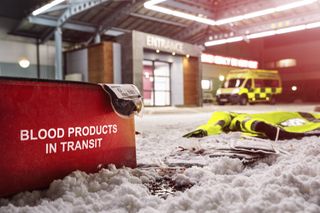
<point x="97" y="39"/>
<point x="58" y="59"/>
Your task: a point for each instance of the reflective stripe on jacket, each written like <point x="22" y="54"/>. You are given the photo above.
<point x="284" y="124"/>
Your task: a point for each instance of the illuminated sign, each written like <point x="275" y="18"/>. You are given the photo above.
<point x="228" y="61"/>
<point x="169" y="45"/>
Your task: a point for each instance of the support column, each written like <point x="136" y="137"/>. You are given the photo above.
<point x="58" y="59"/>
<point x="38" y="59"/>
<point x="97" y="39"/>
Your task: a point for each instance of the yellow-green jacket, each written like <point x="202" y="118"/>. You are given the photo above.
<point x="280" y="125"/>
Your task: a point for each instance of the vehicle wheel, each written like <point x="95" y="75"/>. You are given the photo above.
<point x="243" y="100"/>
<point x="220" y="103"/>
<point x="272" y="100"/>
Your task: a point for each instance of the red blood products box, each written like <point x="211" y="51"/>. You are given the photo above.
<point x="51" y="128"/>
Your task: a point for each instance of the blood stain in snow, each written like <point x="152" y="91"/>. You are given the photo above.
<point x="165" y="185"/>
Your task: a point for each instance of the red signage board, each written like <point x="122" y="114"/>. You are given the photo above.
<point x="51" y="128"/>
<point x="228" y="61"/>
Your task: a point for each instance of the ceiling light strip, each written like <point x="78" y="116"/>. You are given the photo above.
<point x="224" y="41"/>
<point x="46" y="7"/>
<point x="264" y="34"/>
<point x="294" y="5"/>
<point x="152" y="5"/>
<point x="313" y="25"/>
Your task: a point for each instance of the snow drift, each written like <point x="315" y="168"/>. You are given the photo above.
<point x="287" y="183"/>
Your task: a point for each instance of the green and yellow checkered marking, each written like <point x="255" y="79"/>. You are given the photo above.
<point x="260" y="93"/>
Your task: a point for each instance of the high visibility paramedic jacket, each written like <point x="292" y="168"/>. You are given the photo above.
<point x="272" y="125"/>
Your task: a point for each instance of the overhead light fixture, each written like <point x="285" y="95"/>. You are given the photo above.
<point x="291" y="29"/>
<point x="153" y="5"/>
<point x="234" y="39"/>
<point x="264" y="34"/>
<point x="157" y="51"/>
<point x="114" y="33"/>
<point x="224" y="41"/>
<point x="221" y="77"/>
<point x="24" y="63"/>
<point x="46" y="7"/>
<point x="188" y="56"/>
<point x="173" y="53"/>
<point x="313" y="25"/>
<point x="150" y="5"/>
<point x="294" y="5"/>
<point x="265" y="12"/>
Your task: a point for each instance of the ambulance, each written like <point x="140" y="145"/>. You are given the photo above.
<point x="250" y="86"/>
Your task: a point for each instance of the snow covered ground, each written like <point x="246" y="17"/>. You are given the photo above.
<point x="287" y="183"/>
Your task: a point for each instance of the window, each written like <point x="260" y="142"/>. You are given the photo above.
<point x="288" y="62"/>
<point x="233" y="83"/>
<point x="259" y="83"/>
<point x="248" y="84"/>
<point x="266" y="83"/>
<point x="156" y="83"/>
<point x="206" y="84"/>
<point x="271" y="83"/>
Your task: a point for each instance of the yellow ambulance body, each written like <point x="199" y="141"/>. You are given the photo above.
<point x="250" y="86"/>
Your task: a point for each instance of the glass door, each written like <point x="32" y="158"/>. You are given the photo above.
<point x="156" y="83"/>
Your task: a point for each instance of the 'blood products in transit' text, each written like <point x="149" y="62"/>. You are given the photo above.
<point x="53" y="133"/>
